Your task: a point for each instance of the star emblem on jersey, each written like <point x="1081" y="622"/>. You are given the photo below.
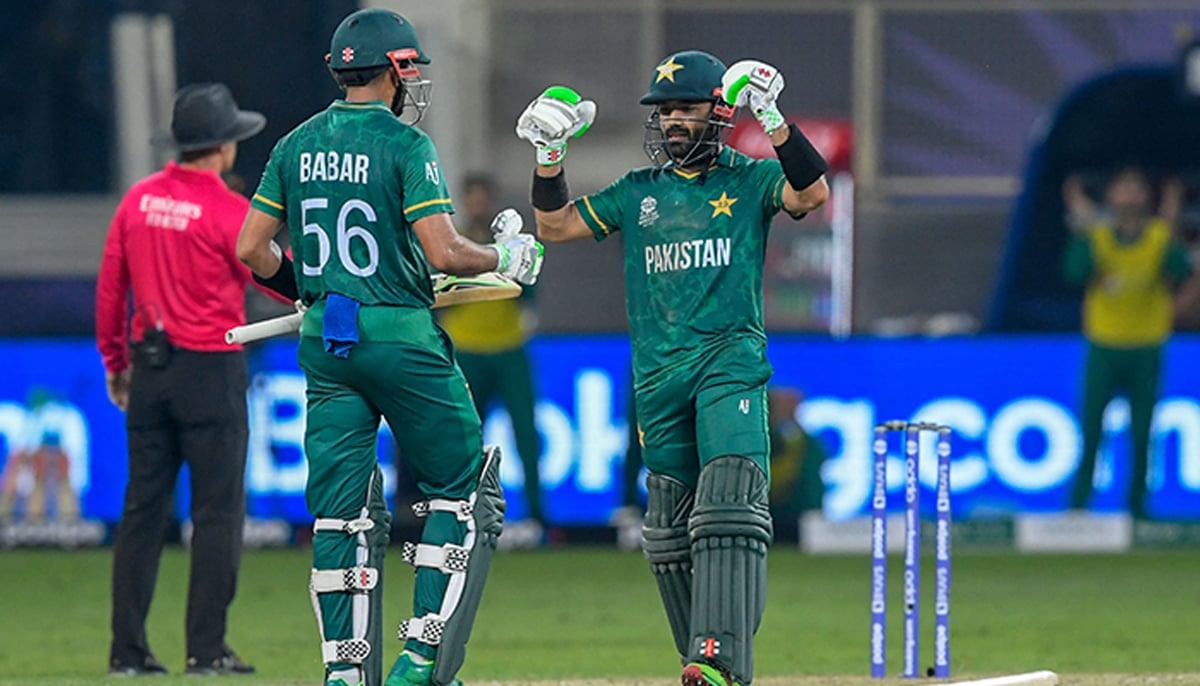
<point x="722" y="204"/>
<point x="667" y="70"/>
<point x="348" y="54"/>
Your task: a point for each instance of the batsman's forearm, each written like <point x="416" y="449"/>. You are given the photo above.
<point x="551" y="226"/>
<point x="463" y="257"/>
<point x="262" y="262"/>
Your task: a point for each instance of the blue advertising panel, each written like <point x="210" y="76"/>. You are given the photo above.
<point x="1012" y="403"/>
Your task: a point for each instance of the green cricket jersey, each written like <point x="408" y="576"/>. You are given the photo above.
<point x="350" y="182"/>
<point x="693" y="254"/>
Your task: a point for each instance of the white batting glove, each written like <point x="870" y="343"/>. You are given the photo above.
<point x="756" y="85"/>
<point x="519" y="258"/>
<point x="553" y="117"/>
<point x="507" y="224"/>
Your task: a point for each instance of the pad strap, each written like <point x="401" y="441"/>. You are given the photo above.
<point x="427" y="629"/>
<point x="349" y="526"/>
<point x="352" y="651"/>
<point x="461" y="509"/>
<point x="360" y="578"/>
<point x="449" y="558"/>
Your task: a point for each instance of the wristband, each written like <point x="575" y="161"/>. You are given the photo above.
<point x="802" y="163"/>
<point x="284" y="280"/>
<point x="549" y="194"/>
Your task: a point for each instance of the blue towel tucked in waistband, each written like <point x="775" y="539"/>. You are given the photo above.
<point x="339" y="328"/>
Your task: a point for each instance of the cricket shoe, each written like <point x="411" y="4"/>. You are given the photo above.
<point x="147" y="667"/>
<point x="407" y="672"/>
<point x="226" y="665"/>
<point x="701" y="674"/>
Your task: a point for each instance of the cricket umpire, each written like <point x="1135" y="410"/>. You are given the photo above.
<point x="171" y="244"/>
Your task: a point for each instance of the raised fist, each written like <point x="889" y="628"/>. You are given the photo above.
<point x="553" y="117"/>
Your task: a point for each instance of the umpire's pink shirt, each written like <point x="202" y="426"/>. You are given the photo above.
<point x="172" y="241"/>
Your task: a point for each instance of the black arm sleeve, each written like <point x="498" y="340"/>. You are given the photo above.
<point x="284" y="280"/>
<point x="802" y="163"/>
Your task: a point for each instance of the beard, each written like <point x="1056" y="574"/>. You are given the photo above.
<point x="680" y="147"/>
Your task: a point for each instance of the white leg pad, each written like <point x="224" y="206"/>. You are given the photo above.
<point x="359" y="578"/>
<point x="350" y="526"/>
<point x="351" y="651"/>
<point x="427" y="629"/>
<point x="449" y="558"/>
<point x="461" y="509"/>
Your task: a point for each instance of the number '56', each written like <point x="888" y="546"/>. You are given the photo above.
<point x="343" y="234"/>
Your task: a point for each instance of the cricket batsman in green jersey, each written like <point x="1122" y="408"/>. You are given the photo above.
<point x="695" y="229"/>
<point x="366" y="204"/>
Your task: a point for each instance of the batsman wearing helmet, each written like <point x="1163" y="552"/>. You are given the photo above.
<point x="695" y="228"/>
<point x="368" y="211"/>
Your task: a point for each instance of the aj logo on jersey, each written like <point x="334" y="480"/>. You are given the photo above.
<point x="433" y="173"/>
<point x="744" y="406"/>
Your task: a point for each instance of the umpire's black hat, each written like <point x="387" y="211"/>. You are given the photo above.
<point x="206" y="116"/>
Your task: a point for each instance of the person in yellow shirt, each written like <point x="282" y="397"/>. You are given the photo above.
<point x="1128" y="262"/>
<point x="489" y="343"/>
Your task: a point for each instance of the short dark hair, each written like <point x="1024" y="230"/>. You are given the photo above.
<point x="359" y="77"/>
<point x="193" y="155"/>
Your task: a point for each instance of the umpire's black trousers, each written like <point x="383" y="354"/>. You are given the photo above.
<point x="192" y="410"/>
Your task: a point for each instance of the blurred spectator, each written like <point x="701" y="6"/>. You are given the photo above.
<point x="796" y="459"/>
<point x="489" y="343"/>
<point x="171" y="244"/>
<point x="1127" y="259"/>
<point x="35" y="483"/>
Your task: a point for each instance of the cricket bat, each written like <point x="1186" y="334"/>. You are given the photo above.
<point x="447" y="290"/>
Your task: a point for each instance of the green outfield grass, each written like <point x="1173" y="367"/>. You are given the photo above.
<point x="593" y="614"/>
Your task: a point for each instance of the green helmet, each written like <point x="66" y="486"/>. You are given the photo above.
<point x="374" y="38"/>
<point x="370" y="41"/>
<point x="688" y="76"/>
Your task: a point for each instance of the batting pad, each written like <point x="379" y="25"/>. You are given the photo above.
<point x="668" y="549"/>
<point x="346" y="585"/>
<point x="730" y="530"/>
<point x="465" y="567"/>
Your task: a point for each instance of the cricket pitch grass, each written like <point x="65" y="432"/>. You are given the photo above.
<point x="591" y="616"/>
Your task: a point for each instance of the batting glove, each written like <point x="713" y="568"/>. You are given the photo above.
<point x="756" y="85"/>
<point x="507" y="224"/>
<point x="519" y="258"/>
<point x="553" y="117"/>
